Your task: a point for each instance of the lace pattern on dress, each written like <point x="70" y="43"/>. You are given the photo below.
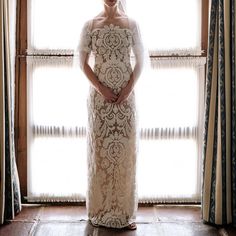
<point x="112" y="199"/>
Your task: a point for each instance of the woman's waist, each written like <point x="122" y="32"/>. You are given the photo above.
<point x="111" y="63"/>
<point x="113" y="80"/>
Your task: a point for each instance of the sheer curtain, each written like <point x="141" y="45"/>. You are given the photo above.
<point x="169" y="102"/>
<point x="57" y="129"/>
<point x="169" y="158"/>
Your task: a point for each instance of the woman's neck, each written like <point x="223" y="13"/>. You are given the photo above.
<point x="111" y="12"/>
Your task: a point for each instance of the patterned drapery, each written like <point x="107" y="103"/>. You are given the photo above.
<point x="219" y="152"/>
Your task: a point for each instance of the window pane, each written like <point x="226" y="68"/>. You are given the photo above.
<point x="57" y="167"/>
<point x="56" y="24"/>
<point x="172" y="169"/>
<point x="57" y="117"/>
<point x="169" y="24"/>
<point x="57" y="97"/>
<point x="168" y="97"/>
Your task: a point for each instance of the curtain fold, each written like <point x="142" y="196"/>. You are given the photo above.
<point x="219" y="144"/>
<point x="10" y="203"/>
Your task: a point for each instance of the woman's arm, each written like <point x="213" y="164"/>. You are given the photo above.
<point x="139" y="61"/>
<point x="106" y="92"/>
<point x="137" y="70"/>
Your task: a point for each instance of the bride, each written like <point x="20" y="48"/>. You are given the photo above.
<point x="112" y="136"/>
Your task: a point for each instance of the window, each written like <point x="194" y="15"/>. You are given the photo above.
<point x="169" y="100"/>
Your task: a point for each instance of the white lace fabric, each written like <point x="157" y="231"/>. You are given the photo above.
<point x="112" y="141"/>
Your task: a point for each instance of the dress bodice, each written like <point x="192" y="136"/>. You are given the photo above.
<point x="111" y="42"/>
<point x="111" y="46"/>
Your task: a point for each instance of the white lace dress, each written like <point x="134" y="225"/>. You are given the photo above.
<point x="111" y="199"/>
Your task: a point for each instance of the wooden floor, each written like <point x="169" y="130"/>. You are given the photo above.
<point x="48" y="220"/>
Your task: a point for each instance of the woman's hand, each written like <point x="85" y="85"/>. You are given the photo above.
<point x="107" y="93"/>
<point x="124" y="93"/>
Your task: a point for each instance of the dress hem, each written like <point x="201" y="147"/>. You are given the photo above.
<point x="108" y="226"/>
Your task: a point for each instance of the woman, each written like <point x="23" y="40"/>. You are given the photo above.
<point x="112" y="128"/>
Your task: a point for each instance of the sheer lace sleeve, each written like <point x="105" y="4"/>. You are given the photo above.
<point x="138" y="50"/>
<point x="83" y="47"/>
<point x="137" y="46"/>
<point x="85" y="39"/>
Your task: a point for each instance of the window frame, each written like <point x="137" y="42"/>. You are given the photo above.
<point x="20" y="118"/>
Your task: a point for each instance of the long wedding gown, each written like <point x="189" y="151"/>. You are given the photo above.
<point x="111" y="198"/>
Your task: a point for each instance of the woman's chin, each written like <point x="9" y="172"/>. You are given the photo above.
<point x="111" y="3"/>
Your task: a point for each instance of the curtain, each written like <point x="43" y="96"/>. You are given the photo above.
<point x="10" y="203"/>
<point x="219" y="143"/>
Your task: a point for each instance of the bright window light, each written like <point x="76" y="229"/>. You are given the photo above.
<point x="168" y="98"/>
